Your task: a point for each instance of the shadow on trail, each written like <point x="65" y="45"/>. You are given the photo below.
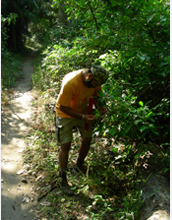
<point x="14" y="127"/>
<point x="10" y="126"/>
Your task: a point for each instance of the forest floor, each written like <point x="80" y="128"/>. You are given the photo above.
<point x="17" y="197"/>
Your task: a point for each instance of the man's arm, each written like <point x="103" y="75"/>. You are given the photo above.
<point x="69" y="111"/>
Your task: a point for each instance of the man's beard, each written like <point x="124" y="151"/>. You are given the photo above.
<point x="88" y="83"/>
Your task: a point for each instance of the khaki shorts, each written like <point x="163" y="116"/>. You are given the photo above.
<point x="64" y="127"/>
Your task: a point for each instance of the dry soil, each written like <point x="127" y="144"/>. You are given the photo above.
<point x="18" y="199"/>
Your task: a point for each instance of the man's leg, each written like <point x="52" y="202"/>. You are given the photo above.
<point x="83" y="151"/>
<point x="63" y="160"/>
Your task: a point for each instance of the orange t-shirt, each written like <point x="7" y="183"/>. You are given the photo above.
<point x="74" y="94"/>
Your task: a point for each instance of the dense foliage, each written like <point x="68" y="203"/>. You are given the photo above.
<point x="16" y="17"/>
<point x="129" y="38"/>
<point x="10" y="62"/>
<point x="27" y="12"/>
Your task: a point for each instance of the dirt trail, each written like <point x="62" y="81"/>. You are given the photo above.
<point x="17" y="197"/>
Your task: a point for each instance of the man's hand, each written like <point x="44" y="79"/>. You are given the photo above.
<point x="89" y="118"/>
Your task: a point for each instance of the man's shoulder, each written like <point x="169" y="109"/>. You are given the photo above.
<point x="75" y="73"/>
<point x="73" y="77"/>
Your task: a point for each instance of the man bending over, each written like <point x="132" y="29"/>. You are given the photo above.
<point x="71" y="110"/>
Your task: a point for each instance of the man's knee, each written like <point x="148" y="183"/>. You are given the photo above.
<point x="65" y="147"/>
<point x="87" y="140"/>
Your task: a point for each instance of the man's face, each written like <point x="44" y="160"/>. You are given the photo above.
<point x="88" y="83"/>
<point x="91" y="83"/>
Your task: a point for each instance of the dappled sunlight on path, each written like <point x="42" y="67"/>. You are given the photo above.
<point x="14" y="127"/>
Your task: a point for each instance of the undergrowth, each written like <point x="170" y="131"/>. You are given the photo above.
<point x="118" y="162"/>
<point x="11" y="69"/>
<point x="111" y="187"/>
<point x="11" y="65"/>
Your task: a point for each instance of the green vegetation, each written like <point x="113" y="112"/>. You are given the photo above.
<point x="129" y="38"/>
<point x="10" y="63"/>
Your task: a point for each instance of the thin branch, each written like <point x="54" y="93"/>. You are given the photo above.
<point x="91" y="9"/>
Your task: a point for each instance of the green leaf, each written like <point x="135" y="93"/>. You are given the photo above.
<point x="152" y="119"/>
<point x="114" y="150"/>
<point x="149" y="114"/>
<point x="85" y="188"/>
<point x="141" y="103"/>
<point x="143" y="128"/>
<point x="136" y="122"/>
<point x="127" y="130"/>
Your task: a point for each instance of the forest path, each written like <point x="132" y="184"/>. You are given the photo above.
<point x="17" y="197"/>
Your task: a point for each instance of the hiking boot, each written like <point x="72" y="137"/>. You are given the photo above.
<point x="67" y="190"/>
<point x="62" y="174"/>
<point x="64" y="184"/>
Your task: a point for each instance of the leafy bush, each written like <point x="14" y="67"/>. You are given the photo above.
<point x="11" y="62"/>
<point x="135" y="110"/>
<point x="11" y="68"/>
<point x="126" y="118"/>
<point x="58" y="61"/>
